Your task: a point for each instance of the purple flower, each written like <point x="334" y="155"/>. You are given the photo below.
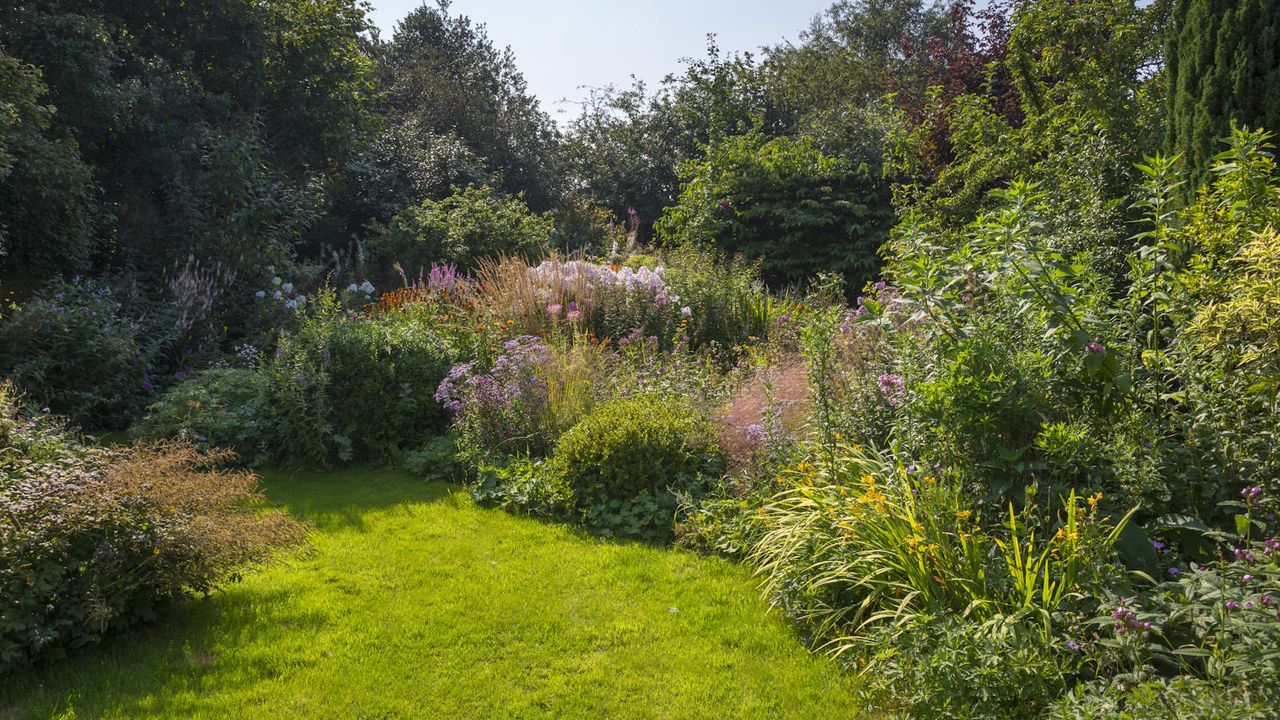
<point x="1231" y="605"/>
<point x="1245" y="555"/>
<point x="1246" y="579"/>
<point x="726" y="206"/>
<point x="892" y="387"/>
<point x="1251" y="493"/>
<point x="1073" y="645"/>
<point x="1175" y="571"/>
<point x="1095" y="348"/>
<point x="1267" y="600"/>
<point x="1158" y="544"/>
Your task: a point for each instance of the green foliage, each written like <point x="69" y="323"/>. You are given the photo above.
<point x="464" y="228"/>
<point x="1223" y="69"/>
<point x="444" y="75"/>
<point x="216" y="408"/>
<point x="344" y="389"/>
<point x="340" y="389"/>
<point x="945" y="668"/>
<point x="46" y="191"/>
<point x="1179" y="697"/>
<point x="205" y="128"/>
<point x="728" y="303"/>
<point x="858" y="543"/>
<point x="76" y="349"/>
<point x="625" y="149"/>
<point x="627" y="461"/>
<point x="93" y="541"/>
<point x="784" y="202"/>
<point x="1087" y="106"/>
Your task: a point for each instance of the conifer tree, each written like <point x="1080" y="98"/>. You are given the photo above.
<point x="1223" y="66"/>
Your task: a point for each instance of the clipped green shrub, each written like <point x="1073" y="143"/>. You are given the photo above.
<point x="628" y="460"/>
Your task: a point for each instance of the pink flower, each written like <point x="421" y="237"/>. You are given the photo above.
<point x="553" y="309"/>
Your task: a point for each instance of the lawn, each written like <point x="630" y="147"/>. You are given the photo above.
<point x="411" y="602"/>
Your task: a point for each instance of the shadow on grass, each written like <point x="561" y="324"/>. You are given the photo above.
<point x="134" y="672"/>
<point x="336" y="500"/>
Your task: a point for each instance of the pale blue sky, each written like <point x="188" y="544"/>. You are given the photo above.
<point x="563" y="44"/>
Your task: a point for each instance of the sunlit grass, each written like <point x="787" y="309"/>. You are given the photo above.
<point x="414" y="603"/>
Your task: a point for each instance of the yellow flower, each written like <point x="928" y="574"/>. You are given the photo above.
<point x="964" y="514"/>
<point x="868" y="481"/>
<point x="1093" y="500"/>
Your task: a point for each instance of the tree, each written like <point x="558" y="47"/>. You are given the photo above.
<point x="1223" y="68"/>
<point x="443" y="73"/>
<point x="210" y="127"/>
<point x="623" y="151"/>
<point x="47" y="212"/>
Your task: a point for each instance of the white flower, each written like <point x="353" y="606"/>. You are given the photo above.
<point x="260" y="294"/>
<point x="278" y="295"/>
<point x="275" y="281"/>
<point x="300" y="300"/>
<point x="352" y="287"/>
<point x="686" y="311"/>
<point x="287" y="287"/>
<point x="367" y="287"/>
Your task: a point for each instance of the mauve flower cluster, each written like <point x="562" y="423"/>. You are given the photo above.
<point x="444" y="278"/>
<point x="893" y="387"/>
<point x="512" y="384"/>
<point x="557" y="273"/>
<point x="1127" y="620"/>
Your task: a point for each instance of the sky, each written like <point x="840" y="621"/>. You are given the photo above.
<point x="564" y="47"/>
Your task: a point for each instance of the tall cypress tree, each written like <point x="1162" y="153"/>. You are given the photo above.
<point x="1223" y="65"/>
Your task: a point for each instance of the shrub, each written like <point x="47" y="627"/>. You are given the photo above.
<point x="347" y="388"/>
<point x="729" y="305"/>
<point x="627" y="461"/>
<point x="948" y="667"/>
<point x="470" y="225"/>
<point x="784" y="202"/>
<point x="75" y="349"/>
<point x="216" y="408"/>
<point x="342" y="388"/>
<point x="93" y="541"/>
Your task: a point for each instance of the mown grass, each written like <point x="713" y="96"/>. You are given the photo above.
<point x="413" y="603"/>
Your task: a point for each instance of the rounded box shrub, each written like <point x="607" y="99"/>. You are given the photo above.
<point x="627" y="461"/>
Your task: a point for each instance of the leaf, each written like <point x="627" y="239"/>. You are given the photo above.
<point x="1135" y="550"/>
<point x="1179" y="522"/>
<point x="1242" y="525"/>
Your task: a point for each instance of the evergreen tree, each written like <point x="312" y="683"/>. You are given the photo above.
<point x="1224" y="66"/>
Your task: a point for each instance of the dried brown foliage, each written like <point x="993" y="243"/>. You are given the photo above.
<point x="226" y="516"/>
<point x="781" y="388"/>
